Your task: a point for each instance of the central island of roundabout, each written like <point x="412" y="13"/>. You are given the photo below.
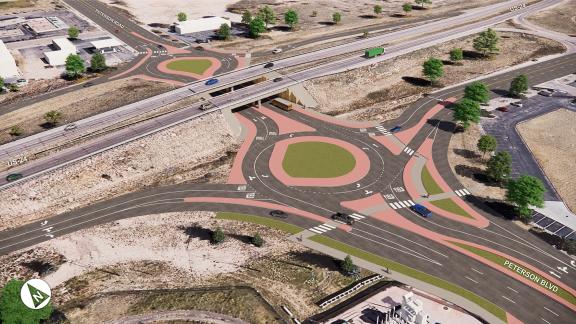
<point x="318" y="161"/>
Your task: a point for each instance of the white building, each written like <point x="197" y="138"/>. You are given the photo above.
<point x="8" y="68"/>
<point x="200" y="25"/>
<point x="412" y="311"/>
<point x="58" y="57"/>
<point x="106" y="45"/>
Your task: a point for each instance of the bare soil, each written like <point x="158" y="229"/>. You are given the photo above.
<point x="384" y="90"/>
<point x="21" y="6"/>
<point x="560" y="18"/>
<point x="551" y="140"/>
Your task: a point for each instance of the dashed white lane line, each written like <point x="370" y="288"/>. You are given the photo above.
<point x="477" y="271"/>
<point x="508" y="299"/>
<point x="474" y="281"/>
<point x="546" y="308"/>
<point x="516" y="291"/>
<point x="545" y="321"/>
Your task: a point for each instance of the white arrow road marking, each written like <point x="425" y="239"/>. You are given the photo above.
<point x="563" y="269"/>
<point x="265" y="176"/>
<point x="368" y="192"/>
<point x="251" y="178"/>
<point x="48" y="229"/>
<point x="44" y="223"/>
<point x="573" y="263"/>
<point x="357" y="185"/>
<point x="50" y="235"/>
<point x="554" y="274"/>
<point x="366" y="148"/>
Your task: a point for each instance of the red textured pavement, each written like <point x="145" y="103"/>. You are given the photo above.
<point x="170" y="49"/>
<point x="407" y="135"/>
<point x="364" y="203"/>
<point x="389" y="144"/>
<point x="285" y="125"/>
<point x="137" y="65"/>
<point x="236" y="176"/>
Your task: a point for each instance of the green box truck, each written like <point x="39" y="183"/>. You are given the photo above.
<point x="373" y="52"/>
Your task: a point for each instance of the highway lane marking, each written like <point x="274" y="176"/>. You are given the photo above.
<point x="545" y="320"/>
<point x="508" y="299"/>
<point x="474" y="281"/>
<point x="548" y="309"/>
<point x="512" y="289"/>
<point x="477" y="271"/>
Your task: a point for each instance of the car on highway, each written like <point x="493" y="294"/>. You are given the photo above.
<point x="14" y="176"/>
<point x="277" y="79"/>
<point x="517" y="104"/>
<point x="70" y="127"/>
<point x="278" y="213"/>
<point x="205" y="106"/>
<point x="211" y="82"/>
<point x="87" y="84"/>
<point x="502" y="109"/>
<point x="421" y="210"/>
<point x="343" y="218"/>
<point x="277" y="50"/>
<point x="268" y="65"/>
<point x="545" y="93"/>
<point x="395" y="129"/>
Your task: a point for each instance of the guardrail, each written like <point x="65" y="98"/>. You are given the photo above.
<point x="353" y="289"/>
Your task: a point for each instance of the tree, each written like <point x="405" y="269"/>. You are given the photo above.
<point x="53" y="117"/>
<point x="98" y="62"/>
<point x="1" y="84"/>
<point x="246" y="17"/>
<point x="433" y="69"/>
<point x="256" y="27"/>
<point x="499" y="166"/>
<point x="377" y="9"/>
<point x="13" y="310"/>
<point x="224" y="32"/>
<point x="74" y="66"/>
<point x="365" y="34"/>
<point x="456" y="54"/>
<point x="291" y="18"/>
<point x="257" y="240"/>
<point x="182" y="16"/>
<point x="267" y="15"/>
<point x="16" y="130"/>
<point x="218" y="236"/>
<point x="525" y="192"/>
<point x="336" y="18"/>
<point x="569" y="246"/>
<point x="73" y="32"/>
<point x="407" y="8"/>
<point x="519" y="85"/>
<point x="467" y="111"/>
<point x="487" y="42"/>
<point x="486" y="144"/>
<point x="14" y="87"/>
<point x="477" y="91"/>
<point x="423" y="2"/>
<point x="347" y="266"/>
<point x="314" y="13"/>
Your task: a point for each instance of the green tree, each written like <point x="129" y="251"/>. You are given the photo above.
<point x="256" y="27"/>
<point x="467" y="111"/>
<point x="407" y="8"/>
<point x="246" y="17"/>
<point x="14" y="87"/>
<point x="182" y="16"/>
<point x="74" y="66"/>
<point x="569" y="246"/>
<point x="98" y="62"/>
<point x="525" y="192"/>
<point x="456" y="54"/>
<point x="73" y="32"/>
<point x="423" y="2"/>
<point x="291" y="18"/>
<point x="16" y="130"/>
<point x="433" y="69"/>
<point x="499" y="166"/>
<point x="218" y="236"/>
<point x="314" y="13"/>
<point x="1" y="84"/>
<point x="347" y="266"/>
<point x="477" y="91"/>
<point x="486" y="143"/>
<point x="377" y="9"/>
<point x="487" y="42"/>
<point x="268" y="15"/>
<point x="336" y="18"/>
<point x="519" y="85"/>
<point x="257" y="240"/>
<point x="53" y="117"/>
<point x="224" y="32"/>
<point x="13" y="310"/>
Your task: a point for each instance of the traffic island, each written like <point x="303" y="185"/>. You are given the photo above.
<point x="193" y="67"/>
<point x="288" y="228"/>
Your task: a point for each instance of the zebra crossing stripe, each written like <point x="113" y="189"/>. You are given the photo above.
<point x="462" y="192"/>
<point x="466" y="191"/>
<point x="329" y="226"/>
<point x="396" y="205"/>
<point x="324" y="227"/>
<point x="316" y="231"/>
<point x="411" y="202"/>
<point x="401" y="203"/>
<point x="357" y="216"/>
<point x="393" y="207"/>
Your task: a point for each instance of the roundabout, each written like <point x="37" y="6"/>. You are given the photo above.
<point x="194" y="67"/>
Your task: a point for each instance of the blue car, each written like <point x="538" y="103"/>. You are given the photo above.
<point x="211" y="82"/>
<point x="395" y="129"/>
<point x="421" y="210"/>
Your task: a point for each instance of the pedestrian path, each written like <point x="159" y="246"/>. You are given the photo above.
<point x="322" y="228"/>
<point x="462" y="192"/>
<point x="383" y="130"/>
<point x="402" y="204"/>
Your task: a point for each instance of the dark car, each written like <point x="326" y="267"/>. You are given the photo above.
<point x="278" y="79"/>
<point x="423" y="211"/>
<point x="344" y="218"/>
<point x="87" y="84"/>
<point x="268" y="65"/>
<point x="14" y="177"/>
<point x="211" y="82"/>
<point x="200" y="48"/>
<point x="160" y="46"/>
<point x="278" y="213"/>
<point x="395" y="129"/>
<point x="502" y="109"/>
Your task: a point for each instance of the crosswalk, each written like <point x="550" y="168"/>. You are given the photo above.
<point x="357" y="216"/>
<point x="153" y="52"/>
<point x="408" y="150"/>
<point x="383" y="130"/>
<point x="322" y="228"/>
<point x="402" y="204"/>
<point x="462" y="192"/>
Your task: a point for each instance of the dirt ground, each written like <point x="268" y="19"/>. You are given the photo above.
<point x="80" y="104"/>
<point x="173" y="250"/>
<point x="551" y="139"/>
<point x="380" y="92"/>
<point x="202" y="152"/>
<point x="21" y="6"/>
<point x="561" y="18"/>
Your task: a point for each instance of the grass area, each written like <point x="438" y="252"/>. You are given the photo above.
<point x="192" y="66"/>
<point x="317" y="160"/>
<point x="292" y="229"/>
<point x="395" y="266"/>
<point x="432" y="188"/>
<point x="449" y="205"/>
<point x="495" y="258"/>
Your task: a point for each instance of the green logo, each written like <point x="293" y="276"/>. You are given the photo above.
<point x="35" y="294"/>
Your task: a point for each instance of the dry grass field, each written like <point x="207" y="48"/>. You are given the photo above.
<point x="561" y="18"/>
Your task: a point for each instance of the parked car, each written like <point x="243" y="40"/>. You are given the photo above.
<point x="395" y="129"/>
<point x="278" y="213"/>
<point x="14" y="177"/>
<point x="211" y="82"/>
<point x="277" y="50"/>
<point x="268" y="65"/>
<point x="545" y="93"/>
<point x="502" y="109"/>
<point x="70" y="127"/>
<point x="517" y="104"/>
<point x="277" y="79"/>
<point x="345" y="218"/>
<point x="200" y="48"/>
<point x="421" y="210"/>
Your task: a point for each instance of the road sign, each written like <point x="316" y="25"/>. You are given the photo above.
<point x="35" y="294"/>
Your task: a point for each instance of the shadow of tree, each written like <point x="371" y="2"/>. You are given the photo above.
<point x="472" y="55"/>
<point x="42" y="268"/>
<point x="469" y="154"/>
<point x="196" y="231"/>
<point x="443" y="125"/>
<point x="492" y="206"/>
<point x="419" y="82"/>
<point x="242" y="238"/>
<point x="316" y="259"/>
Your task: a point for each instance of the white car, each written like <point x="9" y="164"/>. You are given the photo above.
<point x="277" y="50"/>
<point x="517" y="104"/>
<point x="70" y="127"/>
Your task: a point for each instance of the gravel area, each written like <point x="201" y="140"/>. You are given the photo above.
<point x="22" y="6"/>
<point x="560" y="18"/>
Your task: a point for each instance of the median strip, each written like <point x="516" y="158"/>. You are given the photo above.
<point x="432" y="188"/>
<point x="450" y="206"/>
<point x="289" y="228"/>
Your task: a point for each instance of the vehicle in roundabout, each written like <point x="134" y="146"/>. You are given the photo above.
<point x="278" y="213"/>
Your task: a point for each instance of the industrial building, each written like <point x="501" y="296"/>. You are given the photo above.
<point x="8" y="68"/>
<point x="107" y="45"/>
<point x="200" y="25"/>
<point x="64" y="49"/>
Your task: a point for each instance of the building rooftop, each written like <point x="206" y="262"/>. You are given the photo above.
<point x="105" y="43"/>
